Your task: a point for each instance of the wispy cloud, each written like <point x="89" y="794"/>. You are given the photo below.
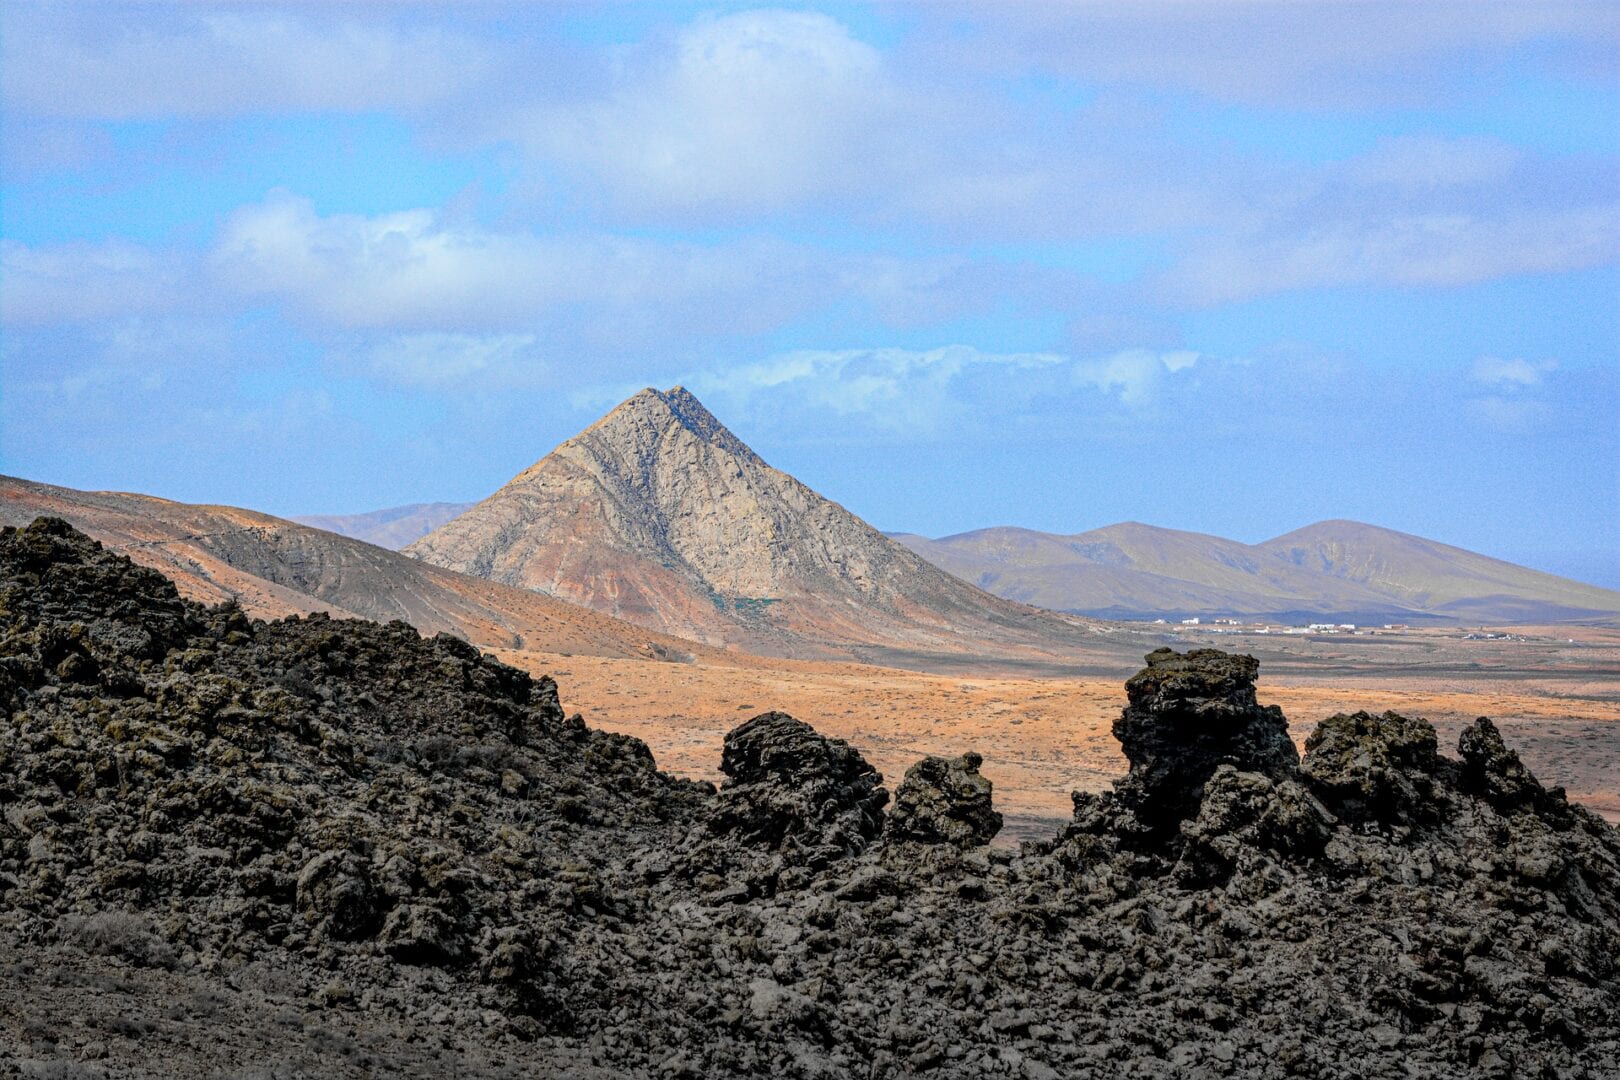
<point x="1516" y="397"/>
<point x="87" y="281"/>
<point x="113" y="63"/>
<point x="1278" y="53"/>
<point x="893" y="390"/>
<point x="1135" y="375"/>
<point x="414" y="269"/>
<point x="421" y="271"/>
<point x="440" y="360"/>
<point x="1414" y="164"/>
<point x="1435" y="249"/>
<point x="1495" y="371"/>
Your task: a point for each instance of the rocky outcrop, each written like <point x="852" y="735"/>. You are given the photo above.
<point x="336" y="789"/>
<point x="1495" y="773"/>
<point x="790" y="786"/>
<point x="945" y="801"/>
<point x="1374" y="768"/>
<point x="333" y="848"/>
<point x="1188" y="715"/>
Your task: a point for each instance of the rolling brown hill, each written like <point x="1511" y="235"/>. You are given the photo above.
<point x="1338" y="570"/>
<point x="1428" y="576"/>
<point x="660" y="515"/>
<point x="275" y="568"/>
<point x="392" y="528"/>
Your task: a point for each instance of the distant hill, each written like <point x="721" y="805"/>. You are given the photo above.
<point x="660" y="515"/>
<point x="1333" y="570"/>
<point x="392" y="528"/>
<point x="275" y="568"/>
<point x="1437" y="578"/>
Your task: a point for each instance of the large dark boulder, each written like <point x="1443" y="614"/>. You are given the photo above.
<point x="945" y="801"/>
<point x="1374" y="768"/>
<point x="790" y="786"/>
<point x="1189" y="714"/>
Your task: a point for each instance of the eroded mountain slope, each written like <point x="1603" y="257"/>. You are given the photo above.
<point x="392" y="528"/>
<point x="273" y="567"/>
<point x="660" y="515"/>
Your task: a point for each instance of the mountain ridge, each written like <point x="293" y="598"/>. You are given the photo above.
<point x="1332" y="568"/>
<point x="276" y="568"/>
<point x="659" y="514"/>
<point x="391" y="527"/>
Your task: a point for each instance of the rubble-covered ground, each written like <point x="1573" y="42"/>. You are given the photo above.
<point x="323" y="848"/>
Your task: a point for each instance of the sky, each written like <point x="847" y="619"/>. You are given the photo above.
<point x="1231" y="267"/>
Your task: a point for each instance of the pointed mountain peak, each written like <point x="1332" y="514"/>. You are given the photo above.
<point x="657" y="413"/>
<point x="661" y="515"/>
<point x="686" y="408"/>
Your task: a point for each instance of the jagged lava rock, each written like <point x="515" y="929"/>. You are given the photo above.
<point x="1495" y="773"/>
<point x="1374" y="768"/>
<point x="331" y="848"/>
<point x="1246" y="817"/>
<point x="1189" y="714"/>
<point x="789" y="784"/>
<point x="945" y="801"/>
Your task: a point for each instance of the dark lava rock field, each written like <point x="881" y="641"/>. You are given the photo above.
<point x="332" y="848"/>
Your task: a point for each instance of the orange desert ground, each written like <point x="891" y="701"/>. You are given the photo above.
<point x="1042" y="738"/>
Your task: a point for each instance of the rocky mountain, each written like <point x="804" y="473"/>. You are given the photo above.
<point x="660" y="515"/>
<point x="274" y="568"/>
<point x="321" y="847"/>
<point x="392" y="528"/>
<point x="1334" y="570"/>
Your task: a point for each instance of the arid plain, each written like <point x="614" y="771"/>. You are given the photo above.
<point x="1554" y="691"/>
<point x="1041" y="718"/>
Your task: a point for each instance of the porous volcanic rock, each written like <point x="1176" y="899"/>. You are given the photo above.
<point x="1246" y="818"/>
<point x="1374" y="768"/>
<point x="332" y="848"/>
<point x="1495" y="773"/>
<point x="945" y="801"/>
<point x="1188" y="715"/>
<point x="789" y="785"/>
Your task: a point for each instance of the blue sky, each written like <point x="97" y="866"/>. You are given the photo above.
<point x="1223" y="267"/>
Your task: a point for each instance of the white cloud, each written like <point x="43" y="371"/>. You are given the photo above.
<point x="1494" y="371"/>
<point x="140" y="62"/>
<point x="438" y="359"/>
<point x="758" y="111"/>
<point x="892" y="390"/>
<point x="414" y="270"/>
<point x="783" y="113"/>
<point x="1136" y="375"/>
<point x="81" y="281"/>
<point x="367" y="271"/>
